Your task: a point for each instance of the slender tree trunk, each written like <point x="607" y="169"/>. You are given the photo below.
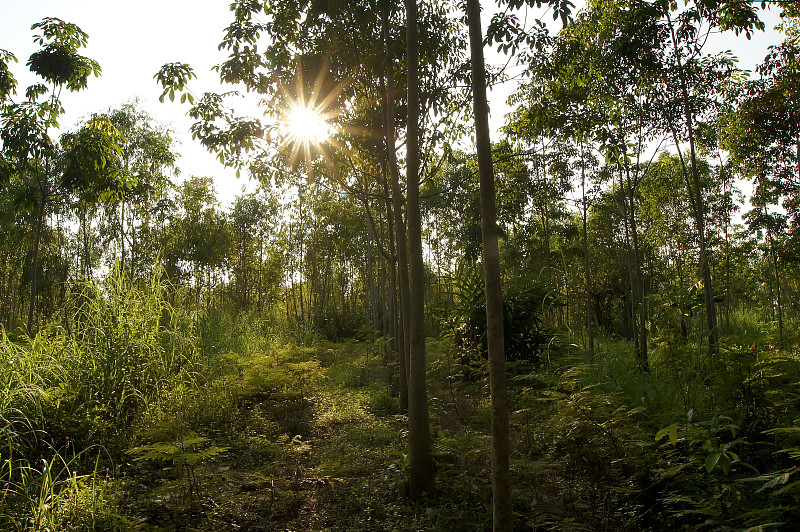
<point x="685" y="312"/>
<point x="638" y="278"/>
<point x="134" y="248"/>
<point x="260" y="272"/>
<point x="372" y="303"/>
<point x="727" y="270"/>
<point x="695" y="190"/>
<point x="301" y="255"/>
<point x="776" y="272"/>
<point x="292" y="272"/>
<point x="629" y="263"/>
<point x="404" y="339"/>
<point x="502" y="516"/>
<point x="383" y="289"/>
<point x="397" y="314"/>
<point x="34" y="274"/>
<point x="587" y="272"/>
<point x="122" y="236"/>
<point x="87" y="254"/>
<point x="422" y="473"/>
<point x="543" y="217"/>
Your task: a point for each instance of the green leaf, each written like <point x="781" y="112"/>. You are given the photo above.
<point x="711" y="461"/>
<point x="775" y="480"/>
<point x="725" y="463"/>
<point x="672" y="430"/>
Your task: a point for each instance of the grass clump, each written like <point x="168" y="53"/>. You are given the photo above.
<point x="84" y="386"/>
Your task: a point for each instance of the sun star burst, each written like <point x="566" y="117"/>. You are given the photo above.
<point x="307" y="125"/>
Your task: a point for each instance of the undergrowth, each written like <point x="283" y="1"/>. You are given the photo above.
<point x="136" y="415"/>
<point x="71" y="395"/>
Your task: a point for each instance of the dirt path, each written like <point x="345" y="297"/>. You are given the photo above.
<point x="305" y="443"/>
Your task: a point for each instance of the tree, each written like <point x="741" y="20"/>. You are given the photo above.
<point x="323" y="57"/>
<point x="147" y="162"/>
<point x="580" y="102"/>
<point x="501" y="483"/>
<point x="252" y="220"/>
<point x="769" y="155"/>
<point x="92" y="170"/>
<point x="29" y="153"/>
<point x="202" y="235"/>
<point x="422" y="472"/>
<point x="396" y="208"/>
<point x="697" y="80"/>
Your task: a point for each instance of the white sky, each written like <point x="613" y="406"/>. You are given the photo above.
<point x="131" y="40"/>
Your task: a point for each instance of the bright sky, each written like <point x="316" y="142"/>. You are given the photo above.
<point x="131" y="40"/>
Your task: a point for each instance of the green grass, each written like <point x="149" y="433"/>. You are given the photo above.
<point x="71" y="396"/>
<point x="227" y="424"/>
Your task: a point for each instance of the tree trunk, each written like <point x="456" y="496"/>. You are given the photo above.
<point x="587" y="272"/>
<point x="502" y="515"/>
<point x="260" y="272"/>
<point x="34" y="273"/>
<point x="404" y="339"/>
<point x="634" y="330"/>
<point x="122" y="237"/>
<point x="695" y="191"/>
<point x="727" y="274"/>
<point x="372" y="303"/>
<point x="774" y="260"/>
<point x="398" y="313"/>
<point x="87" y="263"/>
<point x="301" y="256"/>
<point x="638" y="278"/>
<point x="134" y="248"/>
<point x="422" y="473"/>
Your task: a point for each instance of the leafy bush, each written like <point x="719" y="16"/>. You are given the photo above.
<point x="524" y="332"/>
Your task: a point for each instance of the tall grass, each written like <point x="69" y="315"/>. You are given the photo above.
<point x="129" y="343"/>
<point x="28" y="373"/>
<point x="82" y="385"/>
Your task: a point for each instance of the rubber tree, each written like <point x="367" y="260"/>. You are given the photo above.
<point x="769" y="155"/>
<point x="29" y="152"/>
<point x="327" y="53"/>
<point x="421" y="458"/>
<point x="396" y="210"/>
<point x="502" y="519"/>
<point x="691" y="81"/>
<point x="147" y="161"/>
<point x="93" y="171"/>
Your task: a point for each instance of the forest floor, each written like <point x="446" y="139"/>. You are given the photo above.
<point x="288" y="438"/>
<point x="303" y="439"/>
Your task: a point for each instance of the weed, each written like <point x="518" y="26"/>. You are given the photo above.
<point x="183" y="450"/>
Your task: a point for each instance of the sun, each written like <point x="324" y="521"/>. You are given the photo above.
<point x="309" y="122"/>
<point x="307" y="125"/>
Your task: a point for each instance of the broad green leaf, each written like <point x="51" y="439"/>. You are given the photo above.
<point x="672" y="430"/>
<point x="725" y="463"/>
<point x="711" y="461"/>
